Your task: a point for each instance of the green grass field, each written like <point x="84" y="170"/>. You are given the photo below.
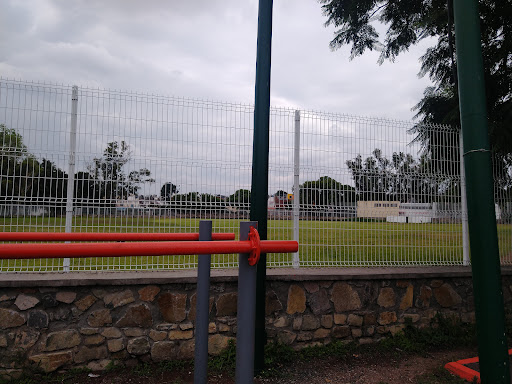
<point x="322" y="243"/>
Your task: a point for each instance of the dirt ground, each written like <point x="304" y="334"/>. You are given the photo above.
<point x="355" y="369"/>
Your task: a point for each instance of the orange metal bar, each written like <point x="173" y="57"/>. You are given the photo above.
<point x="82" y="250"/>
<point x="63" y="236"/>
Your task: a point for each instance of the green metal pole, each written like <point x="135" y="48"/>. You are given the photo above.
<point x="259" y="186"/>
<point x="490" y="317"/>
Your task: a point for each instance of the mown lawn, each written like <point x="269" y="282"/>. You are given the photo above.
<point x="322" y="243"/>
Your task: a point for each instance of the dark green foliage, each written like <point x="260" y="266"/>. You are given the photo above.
<point x="226" y="361"/>
<point x="326" y="192"/>
<point x="402" y="178"/>
<point x="407" y="23"/>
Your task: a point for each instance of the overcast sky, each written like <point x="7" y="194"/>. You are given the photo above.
<point x="201" y="49"/>
<point x="204" y="49"/>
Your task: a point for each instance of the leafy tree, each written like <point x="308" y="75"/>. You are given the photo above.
<point x="242" y="197"/>
<point x="409" y="22"/>
<point x="110" y="178"/>
<point x="326" y="192"/>
<point x="401" y="179"/>
<point x="18" y="166"/>
<point x="168" y="190"/>
<point x="51" y="184"/>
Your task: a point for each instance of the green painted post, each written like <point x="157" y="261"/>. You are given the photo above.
<point x="259" y="186"/>
<point x="490" y="317"/>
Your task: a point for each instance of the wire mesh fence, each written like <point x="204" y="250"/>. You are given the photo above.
<point x="354" y="191"/>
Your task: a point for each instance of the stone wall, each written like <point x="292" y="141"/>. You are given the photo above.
<point x="56" y="324"/>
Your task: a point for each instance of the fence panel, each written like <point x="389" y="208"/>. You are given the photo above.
<point x="371" y="192"/>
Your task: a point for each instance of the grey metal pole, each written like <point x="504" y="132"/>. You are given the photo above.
<point x="202" y="307"/>
<point x="296" y="194"/>
<point x="71" y="168"/>
<point x="246" y="313"/>
<point x="464" y="207"/>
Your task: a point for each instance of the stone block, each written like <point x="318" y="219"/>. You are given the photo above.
<point x="407" y="298"/>
<point x="212" y="327"/>
<point x="118" y="299"/>
<point x="48" y="301"/>
<point x="94" y="340"/>
<point x="436" y="283"/>
<point x="217" y="344"/>
<point x="99" y="318"/>
<point x="223" y="327"/>
<point x="272" y="303"/>
<point x="366" y="340"/>
<point x="319" y="302"/>
<point x="386" y="297"/>
<point x="186" y="326"/>
<point x="85" y="303"/>
<point x="296" y="302"/>
<point x="187" y="349"/>
<point x="446" y="296"/>
<point x="370" y="318"/>
<point x="115" y="345"/>
<point x="394" y="329"/>
<point x="166" y="326"/>
<point x="340" y="318"/>
<point x="181" y="335"/>
<point x="50" y="362"/>
<point x="163" y="351"/>
<point x="281" y="322"/>
<point x="137" y="315"/>
<point x="85" y="354"/>
<point x="3" y="340"/>
<point x="304" y="336"/>
<point x="62" y="340"/>
<point x="326" y="321"/>
<point x="355" y="320"/>
<point x="172" y="306"/>
<point x="99" y="365"/>
<point x="148" y="293"/>
<point x="65" y="297"/>
<point x="24" y="302"/>
<point x="134" y="332"/>
<point x="157" y="335"/>
<point x="138" y="346"/>
<point x="321" y="333"/>
<point x="341" y="332"/>
<point x="25" y="339"/>
<point x="311" y="287"/>
<point x="226" y="304"/>
<point x="423" y="300"/>
<point x="403" y="283"/>
<point x="345" y="298"/>
<point x="286" y="337"/>
<point x="37" y="319"/>
<point x="10" y="318"/>
<point x="310" y="322"/>
<point x="111" y="333"/>
<point x="386" y="318"/>
<point x="357" y="333"/>
<point x="297" y="323"/>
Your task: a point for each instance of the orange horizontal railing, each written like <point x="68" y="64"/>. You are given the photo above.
<point x="63" y="236"/>
<point x="74" y="250"/>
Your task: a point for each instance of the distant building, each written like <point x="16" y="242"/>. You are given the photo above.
<point x="377" y="209"/>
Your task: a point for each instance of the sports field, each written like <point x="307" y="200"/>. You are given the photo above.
<point x="322" y="243"/>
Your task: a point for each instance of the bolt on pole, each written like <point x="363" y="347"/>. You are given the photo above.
<point x="485" y="261"/>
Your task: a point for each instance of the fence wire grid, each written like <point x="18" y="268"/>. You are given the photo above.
<point x="354" y="191"/>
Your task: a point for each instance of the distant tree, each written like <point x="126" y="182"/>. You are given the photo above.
<point x="400" y="179"/>
<point x="51" y="185"/>
<point x="168" y="190"/>
<point x="18" y="166"/>
<point x="241" y="197"/>
<point x="111" y="180"/>
<point x="281" y="193"/>
<point x="326" y="192"/>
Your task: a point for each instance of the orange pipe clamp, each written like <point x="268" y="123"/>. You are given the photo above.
<point x="63" y="236"/>
<point x="253" y="246"/>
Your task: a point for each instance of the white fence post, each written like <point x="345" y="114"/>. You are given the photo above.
<point x="464" y="207"/>
<point x="71" y="169"/>
<point x="296" y="194"/>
